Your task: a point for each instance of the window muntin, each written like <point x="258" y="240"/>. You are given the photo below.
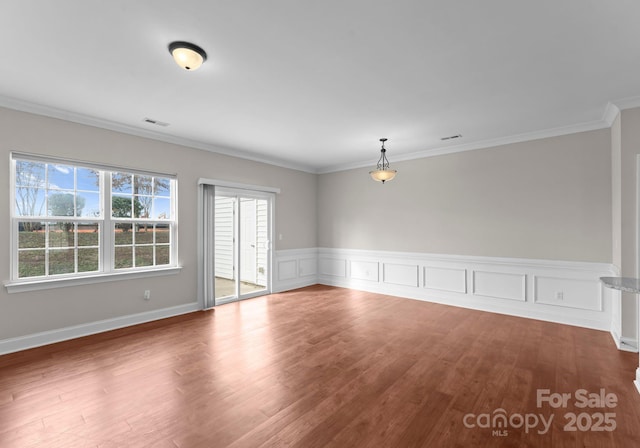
<point x="57" y="247"/>
<point x="58" y="220"/>
<point x="139" y="245"/>
<point x="142" y="218"/>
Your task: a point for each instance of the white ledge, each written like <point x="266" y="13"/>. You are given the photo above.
<point x="49" y="283"/>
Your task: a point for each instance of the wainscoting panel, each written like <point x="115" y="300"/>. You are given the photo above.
<point x="572" y="293"/>
<point x="401" y="274"/>
<point x="308" y="266"/>
<point x="445" y="279"/>
<point x="287" y="270"/>
<point x="295" y="268"/>
<point x="365" y="270"/>
<point x="500" y="285"/>
<point x="334" y="267"/>
<point x="514" y="286"/>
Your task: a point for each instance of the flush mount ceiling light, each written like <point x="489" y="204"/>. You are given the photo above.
<point x="383" y="173"/>
<point x="188" y="56"/>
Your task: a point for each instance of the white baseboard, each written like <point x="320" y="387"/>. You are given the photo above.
<point x="624" y="343"/>
<point x="295" y="284"/>
<point x="49" y="337"/>
<point x="637" y="381"/>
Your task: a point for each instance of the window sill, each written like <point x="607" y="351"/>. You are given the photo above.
<point x="49" y="283"/>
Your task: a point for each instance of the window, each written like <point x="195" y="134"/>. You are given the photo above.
<point x="78" y="219"/>
<point x="141" y="212"/>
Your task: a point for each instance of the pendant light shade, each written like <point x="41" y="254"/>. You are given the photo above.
<point x="383" y="173"/>
<point x="188" y="56"/>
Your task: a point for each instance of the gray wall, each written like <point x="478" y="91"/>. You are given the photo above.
<point x="27" y="313"/>
<point x="544" y="199"/>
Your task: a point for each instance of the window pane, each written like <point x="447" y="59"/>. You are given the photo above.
<point x="121" y="182"/>
<point x="162" y="186"/>
<point x="61" y="177"/>
<point x="30" y="174"/>
<point x="143" y="185"/>
<point x="123" y="257"/>
<point x="63" y="204"/>
<point x="161" y="208"/>
<point x="121" y="206"/>
<point x="142" y="206"/>
<point x="61" y="234"/>
<point x="144" y="234"/>
<point x="29" y="201"/>
<point x="61" y="261"/>
<point x="88" y="234"/>
<point x="88" y="179"/>
<point x="31" y="263"/>
<point x="163" y="255"/>
<point x="144" y="256"/>
<point x="123" y="234"/>
<point x="31" y="235"/>
<point x="88" y="260"/>
<point x="163" y="234"/>
<point x="88" y="204"/>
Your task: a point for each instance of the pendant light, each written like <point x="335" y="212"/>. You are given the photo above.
<point x="383" y="173"/>
<point x="188" y="56"/>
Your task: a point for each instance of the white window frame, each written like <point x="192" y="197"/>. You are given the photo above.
<point x="106" y="243"/>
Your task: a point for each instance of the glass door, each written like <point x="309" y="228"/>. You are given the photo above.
<point x="242" y="246"/>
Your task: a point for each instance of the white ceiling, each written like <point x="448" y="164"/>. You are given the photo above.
<point x="315" y="84"/>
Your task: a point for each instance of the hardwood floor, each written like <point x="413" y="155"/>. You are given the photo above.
<point x="320" y="366"/>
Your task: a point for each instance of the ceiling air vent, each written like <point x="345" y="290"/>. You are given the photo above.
<point x="451" y="137"/>
<point x="156" y="122"/>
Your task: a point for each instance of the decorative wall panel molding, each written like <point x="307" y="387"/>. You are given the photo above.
<point x="401" y="274"/>
<point x="571" y="293"/>
<point x="365" y="270"/>
<point x="287" y="270"/>
<point x="500" y="285"/>
<point x="556" y="291"/>
<point x="308" y="267"/>
<point x="445" y="279"/>
<point x="295" y="268"/>
<point x="335" y="267"/>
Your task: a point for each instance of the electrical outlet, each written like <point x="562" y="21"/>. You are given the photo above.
<point x="147" y="294"/>
<point x="559" y="295"/>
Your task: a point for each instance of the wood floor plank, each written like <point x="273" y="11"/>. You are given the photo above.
<point x="315" y="367"/>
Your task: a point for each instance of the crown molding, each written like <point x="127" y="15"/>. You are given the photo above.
<point x="52" y="112"/>
<point x="482" y="144"/>
<point x="628" y="103"/>
<point x="611" y="111"/>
